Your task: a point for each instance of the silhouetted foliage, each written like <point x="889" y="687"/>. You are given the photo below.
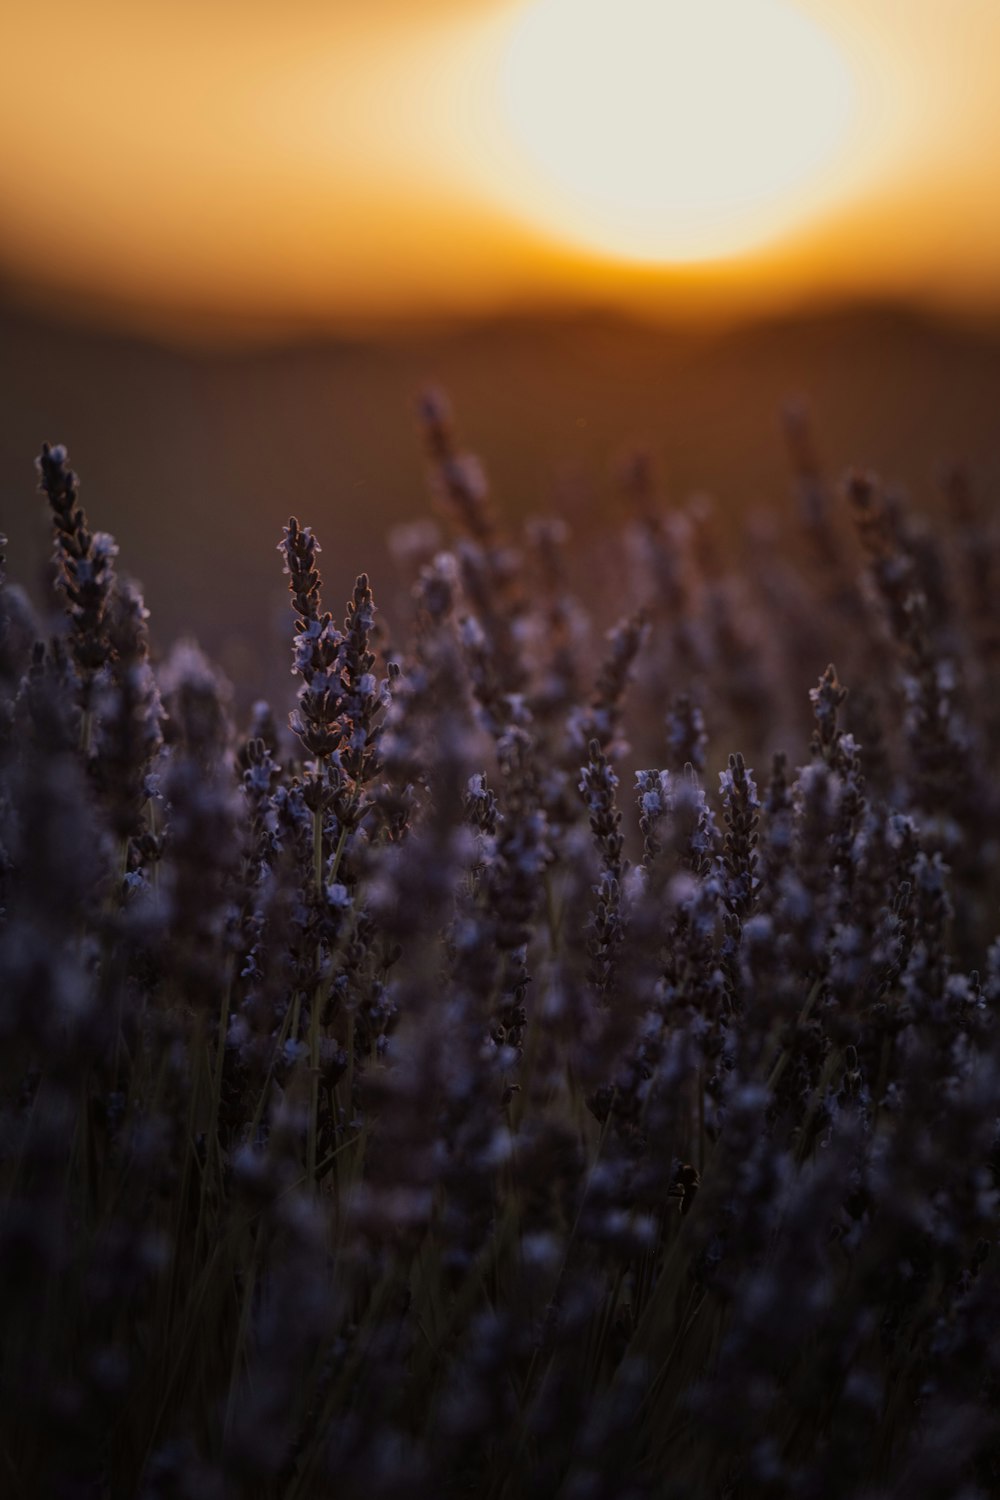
<point x="393" y="1106"/>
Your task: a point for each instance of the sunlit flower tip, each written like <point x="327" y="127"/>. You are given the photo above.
<point x="434" y="408"/>
<point x="758" y="931"/>
<point x="472" y="635"/>
<point x="414" y="542"/>
<point x="466" y="470"/>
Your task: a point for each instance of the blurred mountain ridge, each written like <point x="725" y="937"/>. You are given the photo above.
<point x="194" y="457"/>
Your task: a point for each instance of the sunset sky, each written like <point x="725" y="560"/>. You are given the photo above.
<point x="214" y="164"/>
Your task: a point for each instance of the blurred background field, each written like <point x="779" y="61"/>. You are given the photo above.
<point x="194" y="457"/>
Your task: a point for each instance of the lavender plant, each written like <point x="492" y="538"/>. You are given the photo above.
<point x="391" y="1107"/>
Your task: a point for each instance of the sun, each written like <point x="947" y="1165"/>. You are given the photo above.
<point x="673" y="130"/>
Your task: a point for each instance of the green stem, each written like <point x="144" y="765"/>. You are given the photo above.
<point x="246" y="1311"/>
<point x="318" y="848"/>
<point x="350" y="1063"/>
<point x="278" y="1046"/>
<point x="216" y="1100"/>
<point x="338" y="852"/>
<point x="314" y="1020"/>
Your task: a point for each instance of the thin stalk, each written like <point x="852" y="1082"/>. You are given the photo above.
<point x="246" y="1311"/>
<point x="833" y="1061"/>
<point x="302" y="1483"/>
<point x="120" y="991"/>
<point x="349" y="1085"/>
<point x="178" y="1238"/>
<point x="338" y="852"/>
<point x="282" y="1037"/>
<point x="220" y="1054"/>
<point x="318" y="848"/>
<point x="151" y="810"/>
<point x="314" y="1024"/>
<point x="194" y="1326"/>
<point x="779" y="1066"/>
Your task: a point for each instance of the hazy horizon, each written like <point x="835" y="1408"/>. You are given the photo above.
<point x="213" y="168"/>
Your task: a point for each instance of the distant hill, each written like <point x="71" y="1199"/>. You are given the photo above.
<point x="194" y="460"/>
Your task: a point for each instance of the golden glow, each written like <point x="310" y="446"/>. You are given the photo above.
<point x="675" y="129"/>
<point x="246" y="164"/>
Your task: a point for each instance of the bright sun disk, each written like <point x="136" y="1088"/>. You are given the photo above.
<point x="673" y="130"/>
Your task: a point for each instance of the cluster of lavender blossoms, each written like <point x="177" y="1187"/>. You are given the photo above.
<point x="457" y="1088"/>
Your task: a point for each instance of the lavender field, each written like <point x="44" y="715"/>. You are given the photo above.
<point x="559" y="1060"/>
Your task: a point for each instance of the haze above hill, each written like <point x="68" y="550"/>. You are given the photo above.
<point x="194" y="459"/>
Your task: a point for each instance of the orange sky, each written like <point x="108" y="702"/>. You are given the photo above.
<point x="203" y="163"/>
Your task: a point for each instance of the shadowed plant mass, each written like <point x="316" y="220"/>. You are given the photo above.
<point x="481" y="1082"/>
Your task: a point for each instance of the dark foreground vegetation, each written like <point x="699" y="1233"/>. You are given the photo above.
<point x="421" y="1101"/>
